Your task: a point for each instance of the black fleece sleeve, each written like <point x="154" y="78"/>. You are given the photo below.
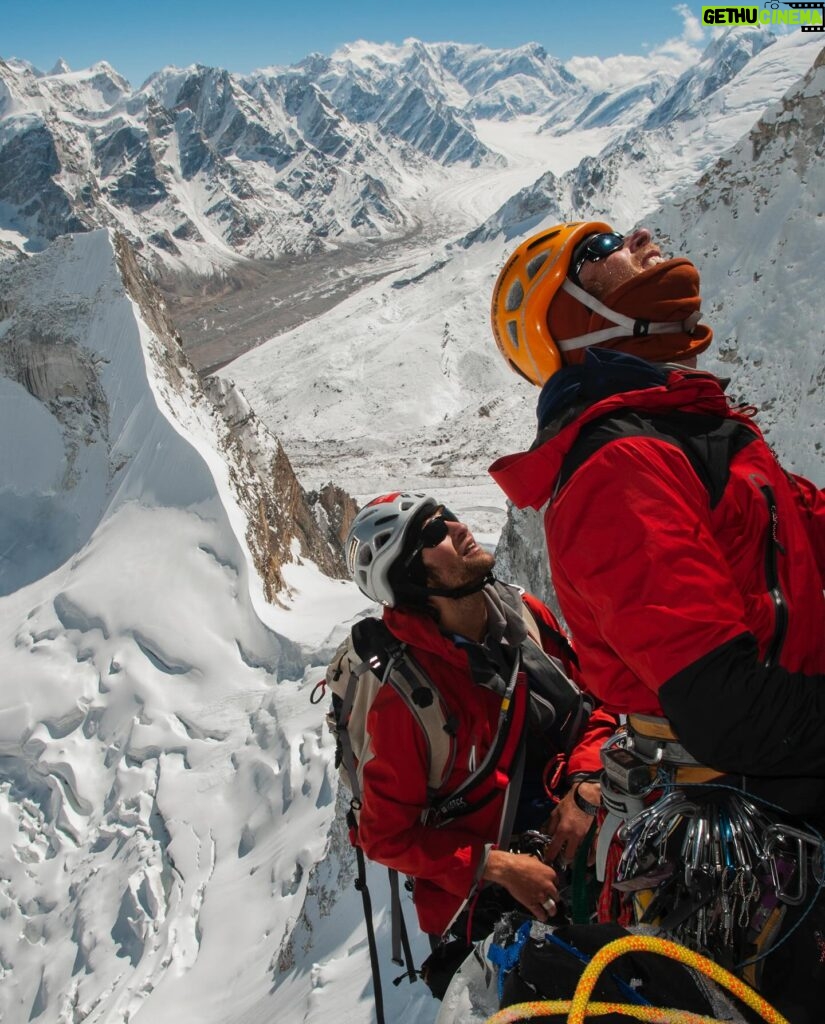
<point x="737" y="716"/>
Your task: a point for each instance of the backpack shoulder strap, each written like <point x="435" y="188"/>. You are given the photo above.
<point x="393" y="662"/>
<point x="548" y="679"/>
<point x="708" y="442"/>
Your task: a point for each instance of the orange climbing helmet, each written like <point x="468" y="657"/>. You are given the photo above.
<point x="522" y="295"/>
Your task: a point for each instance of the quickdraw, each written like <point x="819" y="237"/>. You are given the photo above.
<point x="580" y="1005"/>
<point x="711" y="866"/>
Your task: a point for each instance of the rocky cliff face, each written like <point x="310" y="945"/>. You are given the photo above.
<point x="278" y="510"/>
<point x="335" y="511"/>
<point x="80" y="418"/>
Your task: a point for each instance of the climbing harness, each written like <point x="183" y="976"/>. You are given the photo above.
<point x="708" y="864"/>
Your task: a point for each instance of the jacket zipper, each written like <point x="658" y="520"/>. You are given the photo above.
<point x="772" y="548"/>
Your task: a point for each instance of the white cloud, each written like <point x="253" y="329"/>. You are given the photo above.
<point x="692" y="30"/>
<point x="673" y="57"/>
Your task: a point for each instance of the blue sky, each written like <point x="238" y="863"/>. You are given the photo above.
<point x="241" y="35"/>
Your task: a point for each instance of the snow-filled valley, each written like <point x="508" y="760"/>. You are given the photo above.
<point x="172" y="846"/>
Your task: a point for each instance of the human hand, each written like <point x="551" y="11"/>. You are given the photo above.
<point x="527" y="879"/>
<point x="568" y="825"/>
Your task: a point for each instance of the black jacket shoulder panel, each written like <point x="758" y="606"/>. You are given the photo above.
<point x="708" y="442"/>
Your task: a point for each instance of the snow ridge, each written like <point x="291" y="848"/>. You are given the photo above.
<point x="150" y="765"/>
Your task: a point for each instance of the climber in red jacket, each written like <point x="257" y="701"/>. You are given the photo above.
<point x="688" y="563"/>
<point x="470" y="635"/>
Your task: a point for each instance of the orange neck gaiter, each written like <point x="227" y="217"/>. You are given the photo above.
<point x="666" y="293"/>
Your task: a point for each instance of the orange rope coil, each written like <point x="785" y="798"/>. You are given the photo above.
<point x="580" y="1005"/>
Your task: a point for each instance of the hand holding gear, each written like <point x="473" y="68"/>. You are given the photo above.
<point x="569" y="824"/>
<point x="527" y="879"/>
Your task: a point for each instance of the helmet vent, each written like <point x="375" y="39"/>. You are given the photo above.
<point x="542" y="239"/>
<point x="515" y="296"/>
<point x="535" y="264"/>
<point x="381" y="539"/>
<point x="353" y="551"/>
<point x="512" y="330"/>
<point x="384" y="520"/>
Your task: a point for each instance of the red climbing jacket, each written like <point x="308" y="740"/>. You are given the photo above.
<point x="705" y="606"/>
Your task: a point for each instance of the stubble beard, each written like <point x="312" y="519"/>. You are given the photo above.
<point x="471" y="570"/>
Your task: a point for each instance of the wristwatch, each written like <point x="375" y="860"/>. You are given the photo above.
<point x="582" y="804"/>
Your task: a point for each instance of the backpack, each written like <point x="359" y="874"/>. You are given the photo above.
<point x="367" y="659"/>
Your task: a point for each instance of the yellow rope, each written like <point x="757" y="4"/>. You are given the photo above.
<point x="580" y="1006"/>
<point x="525" y="1011"/>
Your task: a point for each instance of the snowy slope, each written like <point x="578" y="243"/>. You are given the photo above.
<point x="162" y="767"/>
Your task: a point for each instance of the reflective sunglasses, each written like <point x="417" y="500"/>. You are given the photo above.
<point x="432" y="533"/>
<point x="592" y="249"/>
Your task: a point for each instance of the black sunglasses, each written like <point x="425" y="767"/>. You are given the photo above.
<point x="432" y="533"/>
<point x="592" y="249"/>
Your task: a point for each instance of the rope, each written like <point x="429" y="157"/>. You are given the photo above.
<point x="526" y="1011"/>
<point x="580" y="1006"/>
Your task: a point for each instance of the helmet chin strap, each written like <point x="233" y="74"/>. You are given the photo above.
<point x="626" y="327"/>
<point x="414" y="593"/>
<point x="458" y="592"/>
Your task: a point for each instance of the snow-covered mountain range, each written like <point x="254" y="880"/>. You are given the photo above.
<point x="199" y="167"/>
<point x="167" y="596"/>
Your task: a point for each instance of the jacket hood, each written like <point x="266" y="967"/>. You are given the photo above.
<point x="605" y="383"/>
<point x="602" y="373"/>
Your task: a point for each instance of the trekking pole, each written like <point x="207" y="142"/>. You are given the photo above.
<point x="361" y="886"/>
<point x="400" y="938"/>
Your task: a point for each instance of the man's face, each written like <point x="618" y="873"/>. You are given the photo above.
<point x="457" y="560"/>
<point x="639" y="253"/>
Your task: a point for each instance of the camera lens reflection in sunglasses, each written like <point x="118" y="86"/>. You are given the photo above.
<point x="595" y="248"/>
